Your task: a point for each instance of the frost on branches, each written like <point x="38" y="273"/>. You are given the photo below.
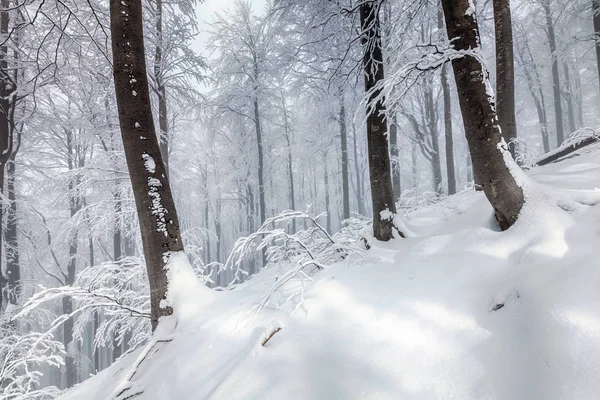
<point x="23" y="356"/>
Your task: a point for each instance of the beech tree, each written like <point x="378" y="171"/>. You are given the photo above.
<point x="159" y="225"/>
<point x="505" y="73"/>
<point x="479" y="114"/>
<point x="382" y="194"/>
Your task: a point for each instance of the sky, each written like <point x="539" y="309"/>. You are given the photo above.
<point x="205" y="12"/>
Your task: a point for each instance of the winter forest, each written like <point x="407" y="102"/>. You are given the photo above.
<point x="299" y="199"/>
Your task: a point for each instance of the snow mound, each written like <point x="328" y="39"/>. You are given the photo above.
<point x="459" y="310"/>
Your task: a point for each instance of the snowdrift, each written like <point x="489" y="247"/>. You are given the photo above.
<point x="461" y="311"/>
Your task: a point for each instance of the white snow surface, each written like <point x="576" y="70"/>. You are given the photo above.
<point x="457" y="311"/>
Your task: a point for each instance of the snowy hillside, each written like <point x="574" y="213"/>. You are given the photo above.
<point x="461" y="311"/>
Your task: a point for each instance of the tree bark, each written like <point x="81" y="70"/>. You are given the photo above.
<point x="431" y="117"/>
<point x="450" y="171"/>
<point x="13" y="267"/>
<point x="344" y="150"/>
<point x="161" y="91"/>
<point x="596" y="18"/>
<point x="479" y="116"/>
<point x="359" y="188"/>
<point x="6" y="90"/>
<point x="158" y="220"/>
<point x="560" y="136"/>
<point x="395" y="158"/>
<point x="569" y="98"/>
<point x="261" y="164"/>
<point x="379" y="159"/>
<point x="505" y="73"/>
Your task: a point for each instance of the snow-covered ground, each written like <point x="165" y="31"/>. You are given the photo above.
<point x="462" y="311"/>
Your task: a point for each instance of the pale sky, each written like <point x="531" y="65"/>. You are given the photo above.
<point x="205" y="12"/>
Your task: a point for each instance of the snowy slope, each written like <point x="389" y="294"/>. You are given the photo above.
<point x="460" y="312"/>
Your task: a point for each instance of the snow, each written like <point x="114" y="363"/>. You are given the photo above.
<point x="458" y="311"/>
<point x="149" y="162"/>
<point x="471" y="9"/>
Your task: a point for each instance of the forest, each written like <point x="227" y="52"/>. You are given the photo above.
<point x="299" y="199"/>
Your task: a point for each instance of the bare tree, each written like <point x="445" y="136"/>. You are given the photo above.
<point x="560" y="135"/>
<point x="379" y="159"/>
<point x="158" y="220"/>
<point x="479" y="114"/>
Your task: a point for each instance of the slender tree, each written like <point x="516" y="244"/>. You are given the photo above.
<point x="379" y="159"/>
<point x="560" y="136"/>
<point x="505" y="73"/>
<point x="344" y="151"/>
<point x="158" y="220"/>
<point x="596" y="19"/>
<point x="479" y="115"/>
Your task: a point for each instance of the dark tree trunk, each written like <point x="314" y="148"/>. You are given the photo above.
<point x="596" y="17"/>
<point x="261" y="164"/>
<point x="436" y="163"/>
<point x="479" y="116"/>
<point x="13" y="266"/>
<point x="344" y="150"/>
<point x="75" y="160"/>
<point x="449" y="138"/>
<point x="413" y="163"/>
<point x="6" y="90"/>
<point x="451" y="173"/>
<point x="569" y="98"/>
<point x="290" y="164"/>
<point x="117" y="349"/>
<point x="326" y="180"/>
<point x="161" y="91"/>
<point x="560" y="136"/>
<point x="158" y="220"/>
<point x="96" y="321"/>
<point x="505" y="73"/>
<point x="379" y="158"/>
<point x="395" y="158"/>
<point x="359" y="188"/>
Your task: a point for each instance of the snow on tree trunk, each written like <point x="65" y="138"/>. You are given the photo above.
<point x="379" y="158"/>
<point x="158" y="220"/>
<point x="479" y="115"/>
<point x="344" y="151"/>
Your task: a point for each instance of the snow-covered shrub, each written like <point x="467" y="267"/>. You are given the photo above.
<point x="298" y="254"/>
<point x="412" y="198"/>
<point x="23" y="355"/>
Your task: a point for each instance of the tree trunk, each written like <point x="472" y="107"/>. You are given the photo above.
<point x="261" y="178"/>
<point x="344" y="150"/>
<point x="560" y="136"/>
<point x="359" y="188"/>
<point x="413" y="162"/>
<point x="161" y="91"/>
<point x="117" y="349"/>
<point x="505" y="73"/>
<point x="13" y="267"/>
<point x="395" y="158"/>
<point x="74" y="161"/>
<point x="451" y="173"/>
<point x="379" y="158"/>
<point x="6" y="89"/>
<point x="436" y="163"/>
<point x="596" y="18"/>
<point x="479" y="116"/>
<point x="290" y="165"/>
<point x="569" y="98"/>
<point x="158" y="220"/>
<point x="326" y="180"/>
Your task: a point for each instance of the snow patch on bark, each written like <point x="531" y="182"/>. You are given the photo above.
<point x="149" y="163"/>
